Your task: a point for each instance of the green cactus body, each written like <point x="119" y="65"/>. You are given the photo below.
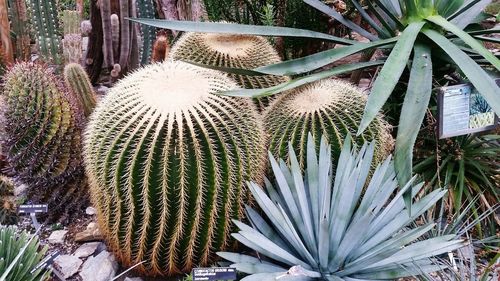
<point x="42" y="133"/>
<point x="235" y="51"/>
<point x="46" y="23"/>
<point x="331" y="108"/>
<point x="78" y="82"/>
<point x="167" y="162"/>
<point x="8" y="208"/>
<point x="71" y="22"/>
<point x="146" y="9"/>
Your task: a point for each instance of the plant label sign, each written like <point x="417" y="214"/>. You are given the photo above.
<point x="462" y="110"/>
<point x="33" y="208"/>
<point x="213" y="274"/>
<point x="47" y="261"/>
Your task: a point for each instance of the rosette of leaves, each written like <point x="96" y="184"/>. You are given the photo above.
<point x="417" y="35"/>
<point x="330" y="108"/>
<point x="167" y="160"/>
<point x="326" y="226"/>
<point x="19" y="255"/>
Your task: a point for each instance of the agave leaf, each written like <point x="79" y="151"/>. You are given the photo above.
<point x="253" y="268"/>
<point x="318" y="60"/>
<point x="233" y="28"/>
<point x="18" y="256"/>
<point x="471" y="9"/>
<point x="447" y="8"/>
<point x="294" y="83"/>
<point x="263" y="227"/>
<point x="469" y="40"/>
<point x="400" y="271"/>
<point x="370" y="20"/>
<point x="312" y="181"/>
<point x="239" y="258"/>
<point x="478" y="77"/>
<point x="382" y="18"/>
<point x="415" y="104"/>
<point x="390" y="11"/>
<point x="390" y="73"/>
<point x="320" y="6"/>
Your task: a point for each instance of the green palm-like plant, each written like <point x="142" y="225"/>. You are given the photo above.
<point x="415" y="33"/>
<point x="325" y="229"/>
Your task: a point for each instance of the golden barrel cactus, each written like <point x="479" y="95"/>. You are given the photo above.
<point x="231" y="50"/>
<point x="330" y="108"/>
<point x="167" y="162"/>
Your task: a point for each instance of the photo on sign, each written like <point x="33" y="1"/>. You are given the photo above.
<point x="463" y="110"/>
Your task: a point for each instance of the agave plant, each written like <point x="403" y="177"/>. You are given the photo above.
<point x="415" y="33"/>
<point x="325" y="229"/>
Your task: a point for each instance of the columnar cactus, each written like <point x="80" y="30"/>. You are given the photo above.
<point x="41" y="138"/>
<point x="146" y="9"/>
<point x="45" y="19"/>
<point x="236" y="51"/>
<point x="78" y="82"/>
<point x="331" y="108"/>
<point x="167" y="161"/>
<point x="71" y="22"/>
<point x="20" y="26"/>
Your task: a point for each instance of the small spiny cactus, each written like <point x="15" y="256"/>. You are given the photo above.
<point x="167" y="161"/>
<point x="46" y="23"/>
<point x="72" y="48"/>
<point x="229" y="50"/>
<point x="161" y="48"/>
<point x="78" y="82"/>
<point x="8" y="208"/>
<point x="42" y="126"/>
<point x="331" y="108"/>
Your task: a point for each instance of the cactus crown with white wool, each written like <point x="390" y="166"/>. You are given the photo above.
<point x="234" y="51"/>
<point x="331" y="108"/>
<point x="167" y="161"/>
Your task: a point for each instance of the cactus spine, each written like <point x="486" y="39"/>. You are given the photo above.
<point x="236" y="51"/>
<point x="331" y="108"/>
<point x="167" y="162"/>
<point x="46" y="23"/>
<point x="8" y="208"/>
<point x="78" y="82"/>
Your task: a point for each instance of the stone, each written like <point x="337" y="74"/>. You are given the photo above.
<point x="90" y="211"/>
<point x="102" y="267"/>
<point x="57" y="237"/>
<point x="86" y="249"/>
<point x="68" y="265"/>
<point x="92" y="233"/>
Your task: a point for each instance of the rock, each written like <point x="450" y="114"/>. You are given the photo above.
<point x="101" y="90"/>
<point x="57" y="237"/>
<point x="90" y="211"/>
<point x="68" y="265"/>
<point x="86" y="249"/>
<point x="92" y="233"/>
<point x="102" y="267"/>
<point x="133" y="279"/>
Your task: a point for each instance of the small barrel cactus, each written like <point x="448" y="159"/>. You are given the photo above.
<point x="167" y="161"/>
<point x="228" y="50"/>
<point x="332" y="108"/>
<point x="11" y="243"/>
<point x="8" y="208"/>
<point x="42" y="134"/>
<point x="78" y="82"/>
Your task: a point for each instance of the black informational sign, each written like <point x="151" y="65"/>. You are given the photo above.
<point x="462" y="110"/>
<point x="33" y="209"/>
<point x="213" y="274"/>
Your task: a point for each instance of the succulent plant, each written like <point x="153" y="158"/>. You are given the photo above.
<point x="72" y="48"/>
<point x="8" y="208"/>
<point x="46" y="22"/>
<point x="24" y="253"/>
<point x="71" y="22"/>
<point x="78" y="82"/>
<point x="41" y="137"/>
<point x="324" y="229"/>
<point x="20" y="27"/>
<point x="167" y="160"/>
<point x="332" y="108"/>
<point x="228" y="50"/>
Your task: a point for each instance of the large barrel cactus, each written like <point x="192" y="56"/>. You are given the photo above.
<point x="42" y="131"/>
<point x="235" y="51"/>
<point x="167" y="162"/>
<point x="332" y="108"/>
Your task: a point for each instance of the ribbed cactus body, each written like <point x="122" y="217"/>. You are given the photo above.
<point x="78" y="82"/>
<point x="41" y="137"/>
<point x="46" y="23"/>
<point x="146" y="9"/>
<point x="71" y="22"/>
<point x="235" y="51"/>
<point x="167" y="162"/>
<point x="331" y="108"/>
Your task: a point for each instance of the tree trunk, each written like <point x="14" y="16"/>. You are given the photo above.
<point x="5" y="33"/>
<point x="95" y="56"/>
